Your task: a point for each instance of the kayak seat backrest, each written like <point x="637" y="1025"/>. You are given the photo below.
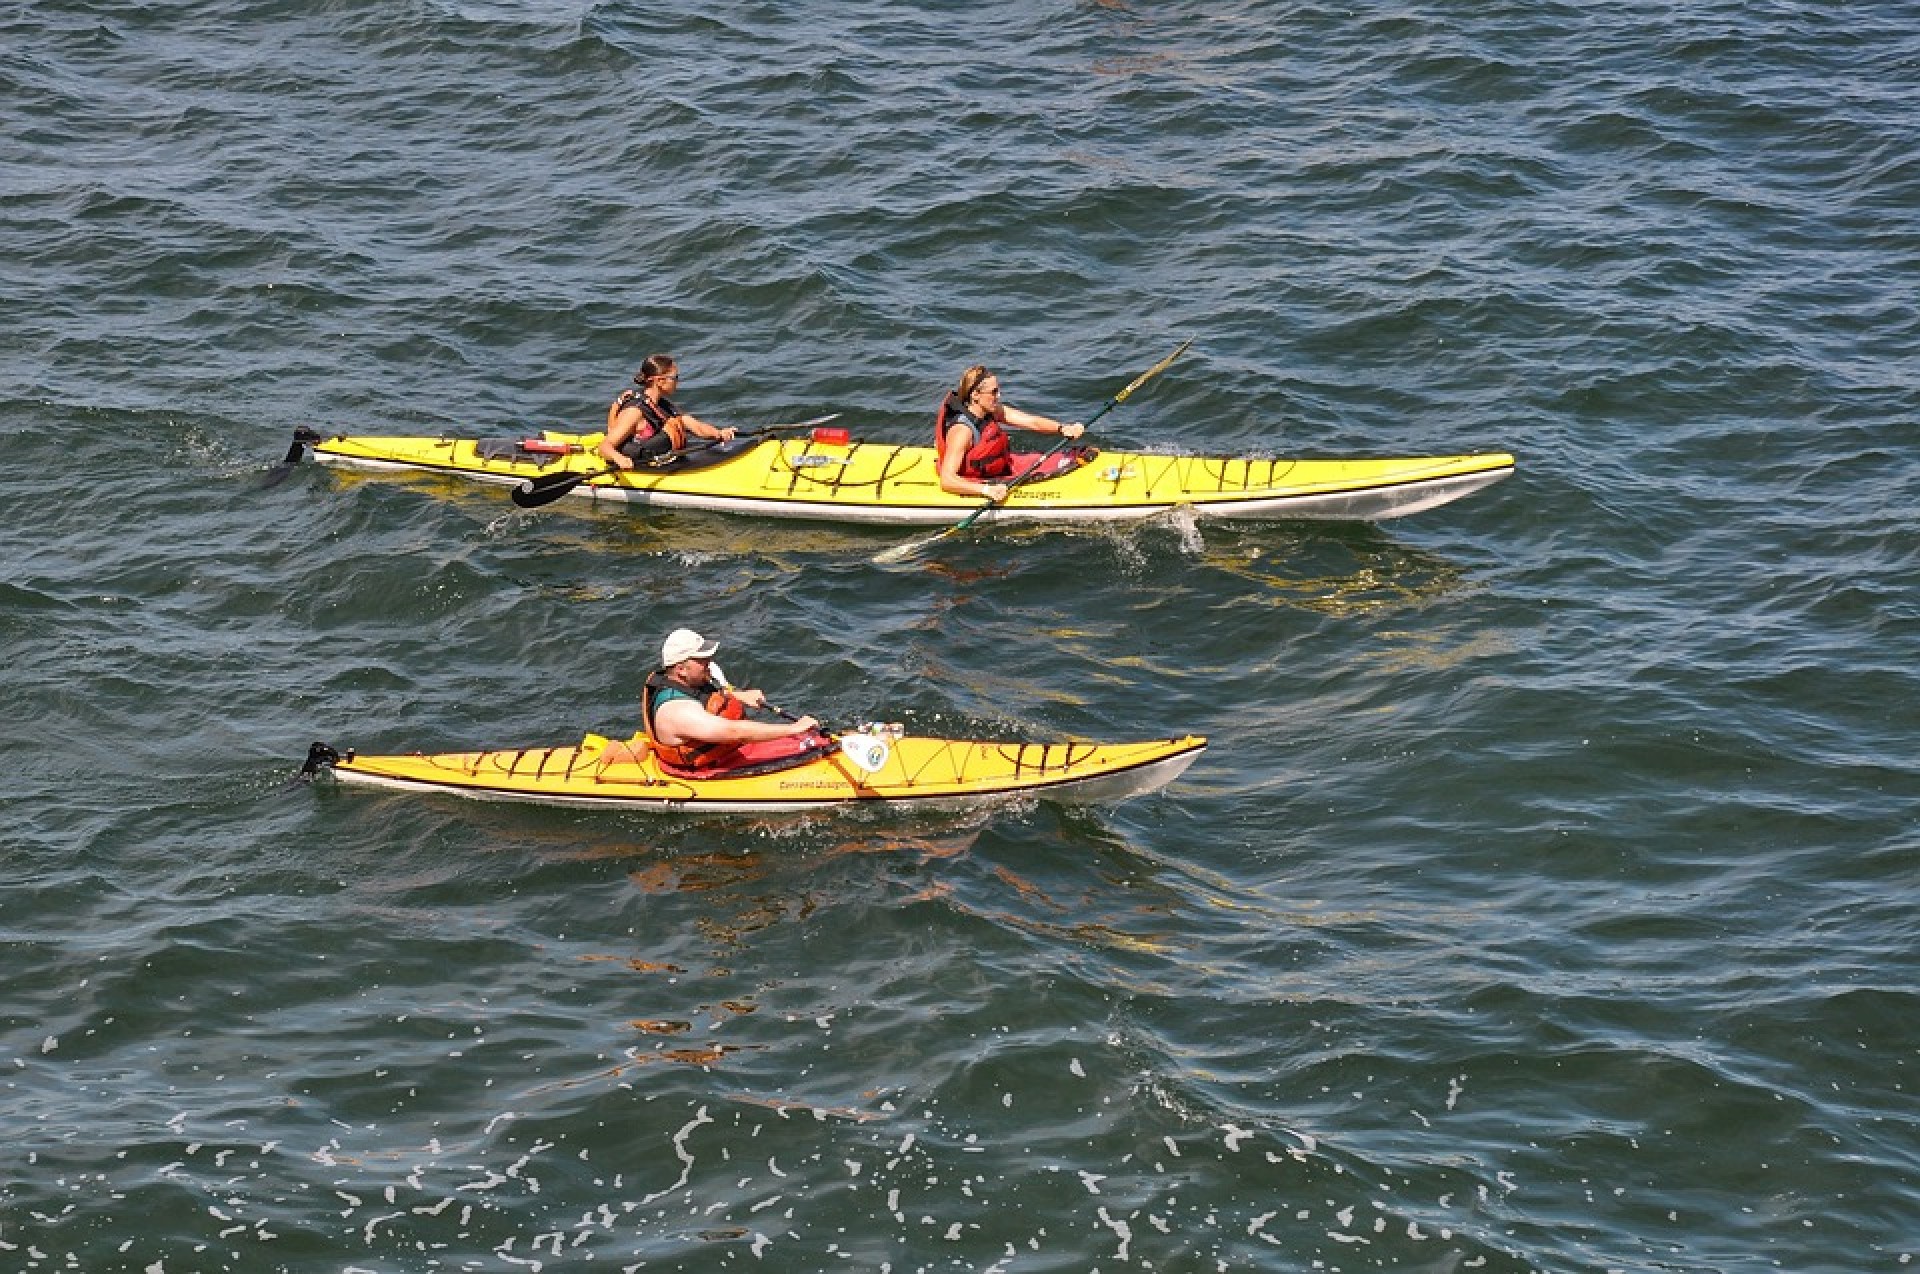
<point x="620" y="760"/>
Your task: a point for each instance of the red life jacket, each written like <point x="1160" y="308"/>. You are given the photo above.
<point x="991" y="455"/>
<point x="692" y="756"/>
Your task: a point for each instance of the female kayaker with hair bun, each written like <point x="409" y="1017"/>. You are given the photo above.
<point x="643" y="423"/>
<point x="970" y="432"/>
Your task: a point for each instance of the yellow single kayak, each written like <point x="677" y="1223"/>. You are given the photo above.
<point x="827" y="475"/>
<point x="927" y="773"/>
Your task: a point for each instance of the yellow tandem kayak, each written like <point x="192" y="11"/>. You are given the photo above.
<point x="926" y="773"/>
<point x="827" y="475"/>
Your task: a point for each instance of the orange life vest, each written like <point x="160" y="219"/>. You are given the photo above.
<point x="691" y="756"/>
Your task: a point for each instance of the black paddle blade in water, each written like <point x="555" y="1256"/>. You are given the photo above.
<point x="303" y="438"/>
<point x="319" y="757"/>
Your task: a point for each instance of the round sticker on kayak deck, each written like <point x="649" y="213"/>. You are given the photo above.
<point x="865" y="751"/>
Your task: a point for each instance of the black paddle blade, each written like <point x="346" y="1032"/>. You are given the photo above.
<point x="319" y="757"/>
<point x="303" y="438"/>
<point x="535" y="492"/>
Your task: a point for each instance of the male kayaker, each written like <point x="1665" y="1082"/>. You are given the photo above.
<point x="695" y="722"/>
<point x="976" y="457"/>
<point x="644" y="424"/>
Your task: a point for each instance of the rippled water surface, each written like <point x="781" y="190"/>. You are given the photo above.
<point x="1545" y="900"/>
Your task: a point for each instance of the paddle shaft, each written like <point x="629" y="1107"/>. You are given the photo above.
<point x="719" y="678"/>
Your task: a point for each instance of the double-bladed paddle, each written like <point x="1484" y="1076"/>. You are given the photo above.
<point x="535" y="492"/>
<point x="901" y="552"/>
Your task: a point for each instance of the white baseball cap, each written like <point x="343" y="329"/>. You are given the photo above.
<point x="684" y="643"/>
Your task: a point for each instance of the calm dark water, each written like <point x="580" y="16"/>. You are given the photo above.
<point x="1545" y="902"/>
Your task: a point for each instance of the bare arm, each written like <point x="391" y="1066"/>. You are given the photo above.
<point x="1040" y="424"/>
<point x="701" y="429"/>
<point x="621" y="422"/>
<point x="683" y="721"/>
